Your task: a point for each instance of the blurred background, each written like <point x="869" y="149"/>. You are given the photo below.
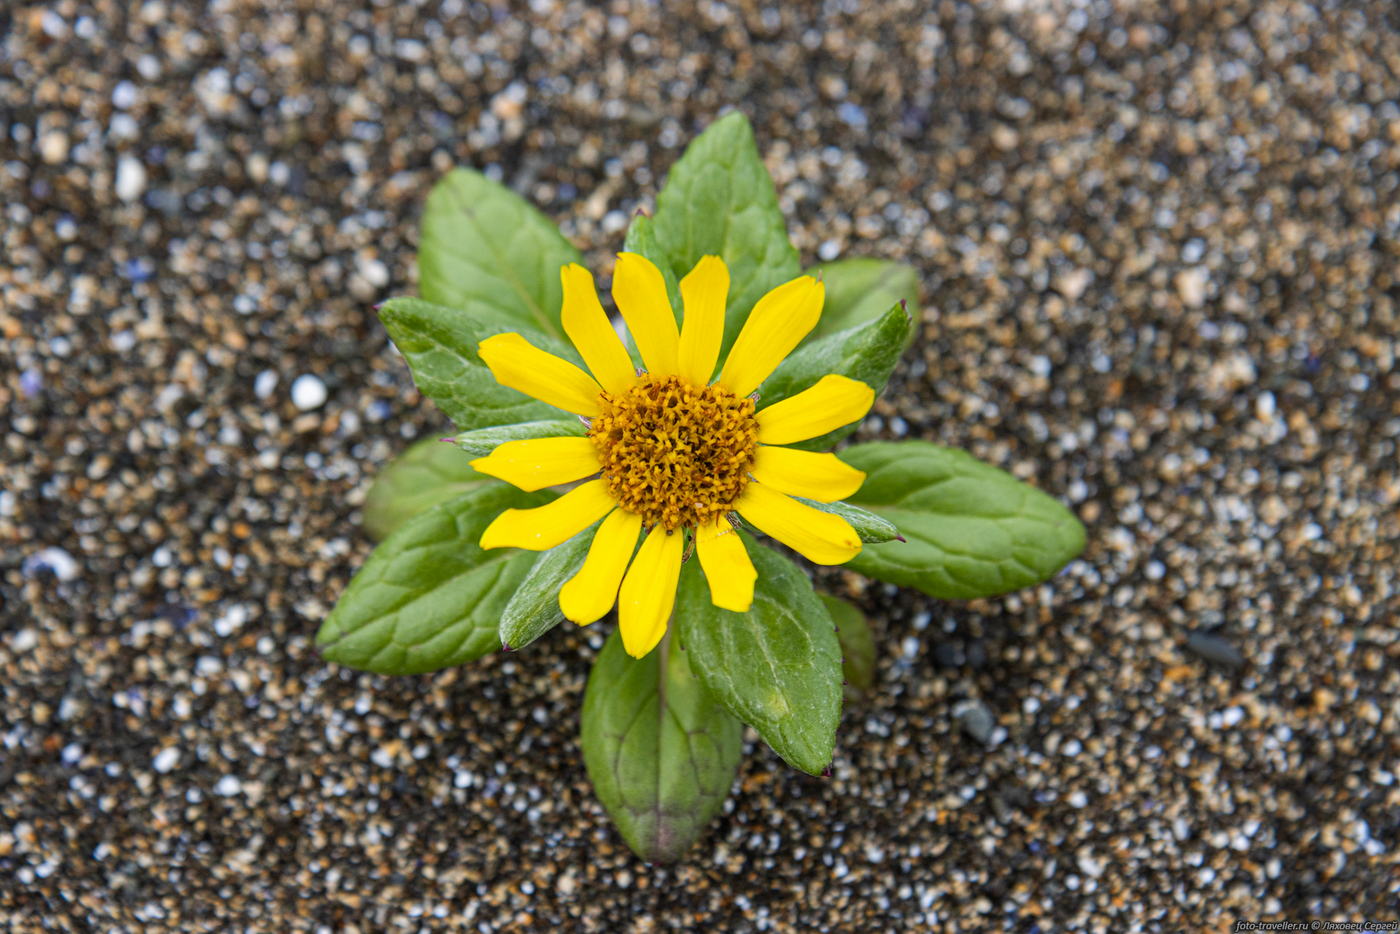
<point x="1158" y="243"/>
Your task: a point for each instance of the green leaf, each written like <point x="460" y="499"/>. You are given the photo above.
<point x="857" y="645"/>
<point x="479" y="442"/>
<point x="972" y="530"/>
<point x="486" y="249"/>
<point x="641" y="239"/>
<point x="440" y="346"/>
<point x="429" y="597"/>
<point x="776" y="667"/>
<point x="428" y="473"/>
<point x="871" y="528"/>
<point x="719" y="199"/>
<point x="534" y="610"/>
<point x="661" y="753"/>
<point x="860" y="289"/>
<point x="867" y="352"/>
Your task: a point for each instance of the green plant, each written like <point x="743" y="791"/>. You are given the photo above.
<point x="686" y="459"/>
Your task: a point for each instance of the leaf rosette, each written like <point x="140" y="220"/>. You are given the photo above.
<point x="589" y="473"/>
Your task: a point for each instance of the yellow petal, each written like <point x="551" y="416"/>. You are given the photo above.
<point x="834" y="401"/>
<point x="517" y="363"/>
<point x="592" y="333"/>
<point x="649" y="591"/>
<point x="820" y="537"/>
<point x="553" y="523"/>
<point x="640" y="293"/>
<point x="776" y="325"/>
<point x="591" y="592"/>
<point x="703" y="293"/>
<point x="822" y="477"/>
<point x="540" y="462"/>
<point x="726" y="564"/>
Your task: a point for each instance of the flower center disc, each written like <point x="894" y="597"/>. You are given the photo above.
<point x="676" y="454"/>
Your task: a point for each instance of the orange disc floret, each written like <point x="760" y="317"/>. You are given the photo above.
<point x="674" y="453"/>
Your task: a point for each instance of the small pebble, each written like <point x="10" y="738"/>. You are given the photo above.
<point x="1191" y="286"/>
<point x="31" y="383"/>
<point x="375" y="272"/>
<point x="125" y="95"/>
<point x="166" y="759"/>
<point x="949" y="654"/>
<point x="1071" y="284"/>
<point x="53" y="147"/>
<point x="308" y="392"/>
<point x="265" y="383"/>
<point x="131" y="178"/>
<point x="977" y="720"/>
<point x="1215" y="649"/>
<point x="54" y="560"/>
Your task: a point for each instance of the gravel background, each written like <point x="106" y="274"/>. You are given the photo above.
<point x="1159" y="245"/>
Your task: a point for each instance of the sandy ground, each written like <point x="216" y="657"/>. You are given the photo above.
<point x="1159" y="245"/>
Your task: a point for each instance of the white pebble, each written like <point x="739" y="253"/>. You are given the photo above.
<point x="123" y="127"/>
<point x="58" y="561"/>
<point x="125" y="95"/>
<point x="166" y="759"/>
<point x="131" y="178"/>
<point x="375" y="272"/>
<point x="53" y="147"/>
<point x="54" y="26"/>
<point x="1265" y="406"/>
<point x="232" y="621"/>
<point x="614" y="221"/>
<point x="1072" y="283"/>
<point x="1191" y="285"/>
<point x="308" y="392"/>
<point x="265" y="382"/>
<point x="228" y="786"/>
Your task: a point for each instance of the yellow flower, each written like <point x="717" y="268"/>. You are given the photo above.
<point x="673" y="451"/>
